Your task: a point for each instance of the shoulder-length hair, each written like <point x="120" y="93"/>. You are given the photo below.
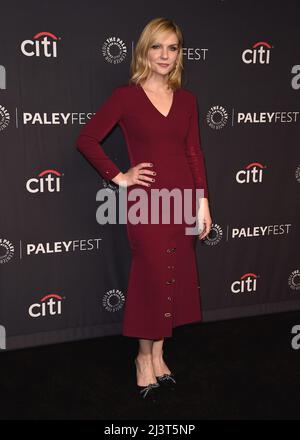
<point x="140" y="68"/>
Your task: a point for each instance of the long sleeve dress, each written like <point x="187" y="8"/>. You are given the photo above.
<point x="163" y="287"/>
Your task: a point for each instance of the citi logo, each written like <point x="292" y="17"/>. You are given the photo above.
<point x="247" y="284"/>
<point x="258" y="54"/>
<point x="46" y="181"/>
<point x="253" y="173"/>
<point x="49" y="305"/>
<point x="42" y="44"/>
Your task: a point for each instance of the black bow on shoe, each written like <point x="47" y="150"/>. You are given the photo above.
<point x="167" y="380"/>
<point x="145" y="390"/>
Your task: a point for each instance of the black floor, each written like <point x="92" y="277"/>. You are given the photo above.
<point x="238" y="369"/>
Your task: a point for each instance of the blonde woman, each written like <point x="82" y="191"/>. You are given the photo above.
<point x="159" y="119"/>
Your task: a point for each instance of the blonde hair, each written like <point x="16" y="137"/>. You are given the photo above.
<point x="140" y="68"/>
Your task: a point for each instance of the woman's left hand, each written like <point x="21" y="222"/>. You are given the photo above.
<point x="204" y="218"/>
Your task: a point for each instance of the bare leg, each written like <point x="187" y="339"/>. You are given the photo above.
<point x="143" y="361"/>
<point x="159" y="365"/>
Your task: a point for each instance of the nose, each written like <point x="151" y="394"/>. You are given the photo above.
<point x="164" y="54"/>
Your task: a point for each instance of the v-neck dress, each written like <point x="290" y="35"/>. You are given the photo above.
<point x="163" y="286"/>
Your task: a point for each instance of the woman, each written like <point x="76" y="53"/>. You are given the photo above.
<point x="159" y="119"/>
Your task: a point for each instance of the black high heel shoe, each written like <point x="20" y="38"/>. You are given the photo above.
<point x="167" y="381"/>
<point x="147" y="392"/>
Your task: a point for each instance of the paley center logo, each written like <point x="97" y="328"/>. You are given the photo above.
<point x="113" y="300"/>
<point x="246" y="284"/>
<point x="49" y="305"/>
<point x="215" y="235"/>
<point x="4" y="117"/>
<point x="114" y="50"/>
<point x="217" y="117"/>
<point x="7" y="250"/>
<point x="42" y="44"/>
<point x="46" y="181"/>
<point x="294" y="280"/>
<point x="258" y="54"/>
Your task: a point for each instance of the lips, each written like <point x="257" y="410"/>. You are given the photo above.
<point x="163" y="65"/>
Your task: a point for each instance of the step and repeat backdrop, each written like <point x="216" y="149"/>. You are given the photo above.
<point x="63" y="275"/>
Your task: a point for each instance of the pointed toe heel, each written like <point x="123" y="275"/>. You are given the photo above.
<point x="167" y="381"/>
<point x="148" y="392"/>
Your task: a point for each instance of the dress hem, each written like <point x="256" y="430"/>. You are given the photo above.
<point x="169" y="335"/>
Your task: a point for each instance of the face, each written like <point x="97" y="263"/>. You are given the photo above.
<point x="163" y="53"/>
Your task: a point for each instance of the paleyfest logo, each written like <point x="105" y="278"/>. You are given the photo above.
<point x="139" y="211"/>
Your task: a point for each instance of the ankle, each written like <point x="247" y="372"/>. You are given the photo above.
<point x="157" y="357"/>
<point x="145" y="358"/>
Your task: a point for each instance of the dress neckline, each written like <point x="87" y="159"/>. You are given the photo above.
<point x="153" y="106"/>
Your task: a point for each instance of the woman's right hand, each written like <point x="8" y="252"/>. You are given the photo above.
<point x="136" y="175"/>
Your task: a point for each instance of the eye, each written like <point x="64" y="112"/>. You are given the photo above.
<point x="155" y="46"/>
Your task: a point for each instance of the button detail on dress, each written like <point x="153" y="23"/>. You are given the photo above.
<point x="169" y="298"/>
<point x="167" y="315"/>
<point x="169" y="250"/>
<point x="171" y="281"/>
<point x="171" y="267"/>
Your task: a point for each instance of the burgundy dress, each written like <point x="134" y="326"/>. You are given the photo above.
<point x="163" y="281"/>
